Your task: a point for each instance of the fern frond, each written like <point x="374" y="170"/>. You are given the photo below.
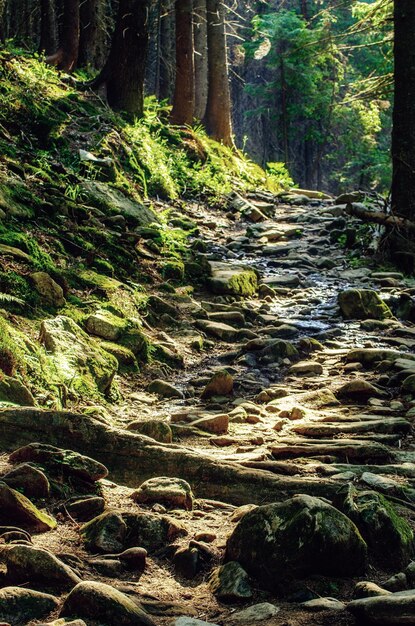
<point x="9" y="299"/>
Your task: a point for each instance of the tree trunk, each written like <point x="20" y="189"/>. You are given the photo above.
<point x="66" y="57"/>
<point x="184" y="91"/>
<point x="123" y="73"/>
<point x="91" y="33"/>
<point x="218" y="109"/>
<point x="201" y="62"/>
<point x="2" y="7"/>
<point x="133" y="458"/>
<point x="165" y="51"/>
<point x="403" y="135"/>
<point x="48" y="29"/>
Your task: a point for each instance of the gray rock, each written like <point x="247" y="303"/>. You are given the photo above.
<point x="105" y="533"/>
<point x="220" y="384"/>
<point x="12" y="391"/>
<point x="105" y="325"/>
<point x="192" y="621"/>
<point x="171" y="492"/>
<point x="29" y="480"/>
<point x="323" y="604"/>
<point x="365" y="589"/>
<point x="230" y="582"/>
<point x="164" y="389"/>
<point x="392" y="610"/>
<point x="156" y="429"/>
<point x="255" y="613"/>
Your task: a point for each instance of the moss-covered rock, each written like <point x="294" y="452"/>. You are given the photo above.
<point x="97" y="601"/>
<point x="49" y="290"/>
<point x="105" y="533"/>
<point x="171" y="492"/>
<point x="17" y="509"/>
<point x="106" y="325"/>
<point x="156" y="429"/>
<point x="20" y="606"/>
<point x="12" y="391"/>
<point x="28" y="563"/>
<point x="389" y="536"/>
<point x="363" y="304"/>
<point x="230" y="583"/>
<point x="80" y="364"/>
<point x="236" y="280"/>
<point x="111" y="201"/>
<point x="299" y="537"/>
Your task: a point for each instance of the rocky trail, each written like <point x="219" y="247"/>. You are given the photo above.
<point x="267" y="476"/>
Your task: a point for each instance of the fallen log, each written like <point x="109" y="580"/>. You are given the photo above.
<point x="133" y="458"/>
<point x="378" y="217"/>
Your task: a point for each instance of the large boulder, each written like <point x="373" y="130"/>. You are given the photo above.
<point x="79" y="362"/>
<point x="299" y="537"/>
<point x="16" y="509"/>
<point x="29" y="480"/>
<point x="114" y="202"/>
<point x="363" y="304"/>
<point x="27" y="563"/>
<point x="97" y="601"/>
<point x="19" y="605"/>
<point x="106" y="325"/>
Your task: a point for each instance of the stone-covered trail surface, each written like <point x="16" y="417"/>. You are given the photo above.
<point x="310" y="378"/>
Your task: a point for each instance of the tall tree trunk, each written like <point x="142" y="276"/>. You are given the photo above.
<point x="48" y="28"/>
<point x="184" y="90"/>
<point x="218" y="108"/>
<point x="66" y="57"/>
<point x="123" y="73"/>
<point x="304" y="9"/>
<point x="165" y="62"/>
<point x="201" y="62"/>
<point x="91" y="32"/>
<point x="2" y="7"/>
<point x="403" y="135"/>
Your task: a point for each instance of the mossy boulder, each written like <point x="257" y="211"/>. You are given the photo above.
<point x="104" y="324"/>
<point x="363" y="304"/>
<point x="28" y="563"/>
<point x="220" y="384"/>
<point x="12" y="391"/>
<point x="98" y="601"/>
<point x="16" y="509"/>
<point x="230" y="583"/>
<point x="236" y="280"/>
<point x="111" y="201"/>
<point x="28" y="480"/>
<point x="126" y="358"/>
<point x="20" y="606"/>
<point x="80" y="363"/>
<point x="105" y="533"/>
<point x="296" y="538"/>
<point x="389" y="536"/>
<point x="277" y="350"/>
<point x="51" y="293"/>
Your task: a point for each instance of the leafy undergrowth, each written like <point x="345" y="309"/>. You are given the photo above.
<point x="95" y="202"/>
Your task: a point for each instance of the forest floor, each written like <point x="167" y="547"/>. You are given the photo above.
<point x="291" y="416"/>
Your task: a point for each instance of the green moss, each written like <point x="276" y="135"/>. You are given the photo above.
<point x="173" y="270"/>
<point x="244" y="283"/>
<point x="103" y="267"/>
<point x="17" y="285"/>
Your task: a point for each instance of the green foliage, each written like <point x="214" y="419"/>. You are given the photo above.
<point x="328" y="93"/>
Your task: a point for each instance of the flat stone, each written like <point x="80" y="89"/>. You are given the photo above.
<point x="219" y="330"/>
<point x="217" y="424"/>
<point x="255" y="613"/>
<point x="394" y="609"/>
<point x="366" y="589"/>
<point x="306" y="368"/>
<point x="164" y="389"/>
<point x="13" y="391"/>
<point x="192" y="621"/>
<point x="323" y="604"/>
<point x="156" y="429"/>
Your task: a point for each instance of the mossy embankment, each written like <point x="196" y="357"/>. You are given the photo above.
<point x="92" y="224"/>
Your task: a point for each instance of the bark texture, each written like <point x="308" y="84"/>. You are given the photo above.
<point x="48" y="29"/>
<point x="184" y="91"/>
<point x="218" y="109"/>
<point x="92" y="35"/>
<point x="124" y="71"/>
<point x="66" y="57"/>
<point x="201" y="62"/>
